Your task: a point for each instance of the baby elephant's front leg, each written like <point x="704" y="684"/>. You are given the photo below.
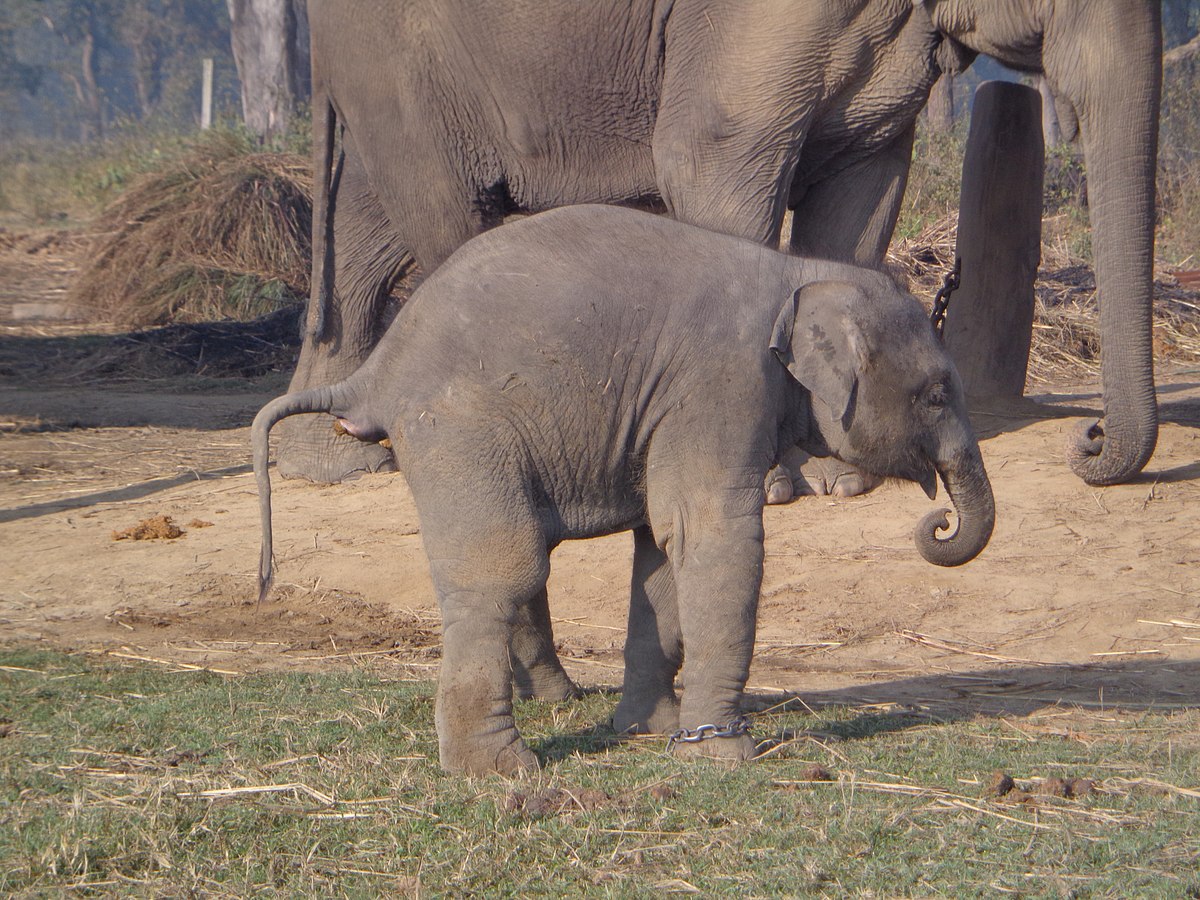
<point x="653" y="646"/>
<point x="718" y="576"/>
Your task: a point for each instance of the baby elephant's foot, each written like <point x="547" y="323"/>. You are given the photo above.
<point x="646" y="715"/>
<point x="727" y="750"/>
<point x="504" y="753"/>
<point x="544" y="683"/>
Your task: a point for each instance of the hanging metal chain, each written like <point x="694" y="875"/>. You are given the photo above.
<point x="941" y="300"/>
<point x="736" y="728"/>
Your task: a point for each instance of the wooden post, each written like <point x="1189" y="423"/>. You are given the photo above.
<point x="206" y="94"/>
<point x="989" y="325"/>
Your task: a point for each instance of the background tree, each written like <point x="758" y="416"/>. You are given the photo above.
<point x="16" y="77"/>
<point x="165" y="41"/>
<point x="84" y="28"/>
<point x="1179" y="21"/>
<point x="270" y="47"/>
<point x="80" y="65"/>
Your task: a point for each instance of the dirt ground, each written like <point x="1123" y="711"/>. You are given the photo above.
<point x="1085" y="595"/>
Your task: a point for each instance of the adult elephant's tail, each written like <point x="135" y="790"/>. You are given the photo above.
<point x="324" y="178"/>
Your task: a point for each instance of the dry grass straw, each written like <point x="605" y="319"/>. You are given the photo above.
<point x="220" y="233"/>
<point x="1066" y="326"/>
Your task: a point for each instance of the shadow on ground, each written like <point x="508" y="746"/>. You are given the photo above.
<point x="1161" y="685"/>
<point x="891" y="706"/>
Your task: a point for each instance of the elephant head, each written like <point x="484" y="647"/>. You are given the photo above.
<point x="1104" y="62"/>
<point x="885" y="397"/>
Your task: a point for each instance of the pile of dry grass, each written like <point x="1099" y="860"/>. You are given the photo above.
<point x="1066" y="325"/>
<point x="224" y="234"/>
<point x="219" y="234"/>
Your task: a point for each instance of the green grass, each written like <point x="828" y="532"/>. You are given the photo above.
<point x="104" y="769"/>
<point x="933" y="181"/>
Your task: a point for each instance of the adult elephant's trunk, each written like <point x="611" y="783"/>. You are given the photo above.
<point x="1107" y="62"/>
<point x="967" y="483"/>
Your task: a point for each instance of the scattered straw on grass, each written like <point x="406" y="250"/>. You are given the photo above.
<point x="917" y="638"/>
<point x="176" y="665"/>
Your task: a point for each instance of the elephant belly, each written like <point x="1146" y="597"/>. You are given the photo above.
<point x="594" y="512"/>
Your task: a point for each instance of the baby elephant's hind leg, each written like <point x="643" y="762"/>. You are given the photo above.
<point x="537" y="671"/>
<point x="484" y="568"/>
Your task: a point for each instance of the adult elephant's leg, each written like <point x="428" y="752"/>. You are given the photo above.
<point x="368" y="258"/>
<point x="653" y="644"/>
<point x="537" y="671"/>
<point x="723" y="151"/>
<point x="849" y="216"/>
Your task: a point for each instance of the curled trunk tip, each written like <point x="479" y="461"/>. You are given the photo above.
<point x="1100" y="459"/>
<point x="950" y="550"/>
<point x="971" y="493"/>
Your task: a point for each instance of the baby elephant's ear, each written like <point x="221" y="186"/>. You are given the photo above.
<point x="816" y="338"/>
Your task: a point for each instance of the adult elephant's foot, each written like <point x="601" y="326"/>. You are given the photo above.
<point x="800" y="474"/>
<point x="309" y="448"/>
<point x="778" y="486"/>
<point x="646" y="713"/>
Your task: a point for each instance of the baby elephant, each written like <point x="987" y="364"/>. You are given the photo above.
<point x="594" y="369"/>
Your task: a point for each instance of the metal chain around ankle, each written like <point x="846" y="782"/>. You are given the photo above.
<point x="736" y="728"/>
<point x="941" y="301"/>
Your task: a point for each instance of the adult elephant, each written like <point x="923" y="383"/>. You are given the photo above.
<point x="456" y="114"/>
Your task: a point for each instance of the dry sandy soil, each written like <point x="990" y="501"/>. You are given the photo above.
<point x="1085" y="596"/>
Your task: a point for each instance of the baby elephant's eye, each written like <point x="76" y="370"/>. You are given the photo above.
<point x="936" y="397"/>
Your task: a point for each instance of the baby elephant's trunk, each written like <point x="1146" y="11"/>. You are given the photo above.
<point x="967" y="483"/>
<point x="314" y="400"/>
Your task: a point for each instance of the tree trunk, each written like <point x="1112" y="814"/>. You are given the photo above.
<point x="89" y="90"/>
<point x="271" y="55"/>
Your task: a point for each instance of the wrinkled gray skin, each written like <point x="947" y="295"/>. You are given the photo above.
<point x="722" y="113"/>
<point x="595" y="369"/>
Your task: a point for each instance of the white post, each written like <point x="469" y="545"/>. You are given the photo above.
<point x="206" y="92"/>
